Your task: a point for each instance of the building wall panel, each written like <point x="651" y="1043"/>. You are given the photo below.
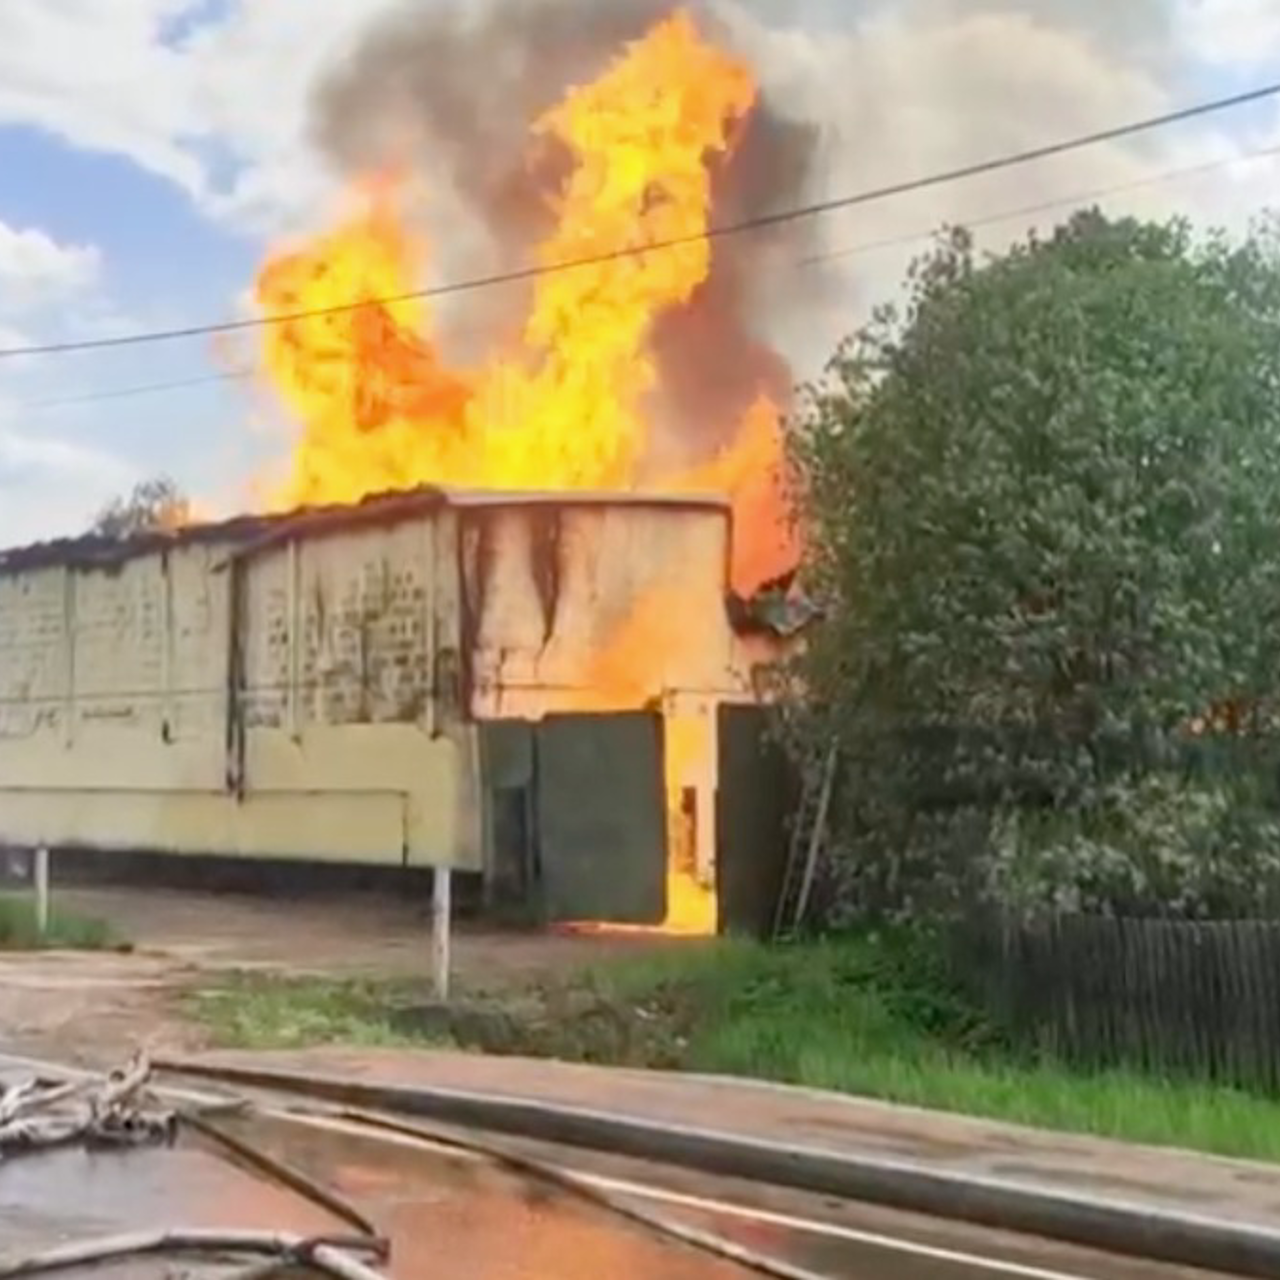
<point x="600" y="608"/>
<point x="114" y="701"/>
<point x="338" y="826"/>
<point x="366" y="649"/>
<point x="33" y="659"/>
<point x="365" y="623"/>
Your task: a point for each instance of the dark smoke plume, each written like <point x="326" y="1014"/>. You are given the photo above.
<point x="452" y="89"/>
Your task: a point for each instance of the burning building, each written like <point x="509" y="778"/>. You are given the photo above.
<point x="621" y="358"/>
<point x="482" y="622"/>
<point x="524" y="686"/>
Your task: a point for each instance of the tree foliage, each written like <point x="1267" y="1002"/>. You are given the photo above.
<point x="154" y="504"/>
<point x="1045" y="508"/>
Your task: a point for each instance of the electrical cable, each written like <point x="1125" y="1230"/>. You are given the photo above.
<point x="758" y="223"/>
<point x="811" y="260"/>
<point x="1045" y="206"/>
<point x="129" y="392"/>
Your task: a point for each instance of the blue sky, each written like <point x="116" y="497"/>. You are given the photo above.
<point x="150" y="150"/>
<point x="162" y="263"/>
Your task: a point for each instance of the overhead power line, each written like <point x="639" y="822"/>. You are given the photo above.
<point x="129" y="392"/>
<point x="810" y="260"/>
<point x="759" y="223"/>
<point x="1045" y="206"/>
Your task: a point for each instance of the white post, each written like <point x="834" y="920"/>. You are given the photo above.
<point x="41" y="874"/>
<point x="441" y="925"/>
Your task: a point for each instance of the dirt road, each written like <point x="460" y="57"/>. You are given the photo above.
<point x="97" y="1006"/>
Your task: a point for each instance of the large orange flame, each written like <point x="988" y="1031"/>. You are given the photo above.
<point x="570" y="407"/>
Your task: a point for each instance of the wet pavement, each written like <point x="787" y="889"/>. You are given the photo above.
<point x="454" y="1218"/>
<point x="462" y="1218"/>
<point x="1162" y="1178"/>
<point x="443" y="1223"/>
<point x="60" y="1197"/>
<point x="451" y="1215"/>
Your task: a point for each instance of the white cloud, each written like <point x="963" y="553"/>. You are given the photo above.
<point x="1243" y="33"/>
<point x="252" y="76"/>
<point x="45" y="286"/>
<point x="221" y="109"/>
<point x="51" y="486"/>
<point x="35" y="270"/>
<point x="96" y="73"/>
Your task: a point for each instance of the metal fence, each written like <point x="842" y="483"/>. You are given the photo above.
<point x="1167" y="996"/>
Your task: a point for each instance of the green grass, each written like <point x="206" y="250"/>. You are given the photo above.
<point x="67" y="930"/>
<point x="871" y="1017"/>
<point x="258" y="1011"/>
<point x="839" y="1016"/>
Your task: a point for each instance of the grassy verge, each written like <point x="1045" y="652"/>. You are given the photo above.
<point x="67" y="930"/>
<point x="865" y="1017"/>
<point x="253" y="1011"/>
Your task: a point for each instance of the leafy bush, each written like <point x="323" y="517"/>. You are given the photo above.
<point x="1159" y="846"/>
<point x="1044" y="504"/>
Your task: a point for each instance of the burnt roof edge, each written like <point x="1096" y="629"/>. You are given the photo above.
<point x="248" y="535"/>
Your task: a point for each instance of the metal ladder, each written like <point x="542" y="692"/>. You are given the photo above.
<point x="808" y="836"/>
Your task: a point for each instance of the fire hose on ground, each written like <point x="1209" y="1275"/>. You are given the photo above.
<point x="329" y="1256"/>
<point x="121" y="1111"/>
<point x="112" y="1112"/>
<point x="118" y="1112"/>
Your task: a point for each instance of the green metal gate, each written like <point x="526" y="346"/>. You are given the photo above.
<point x="578" y="816"/>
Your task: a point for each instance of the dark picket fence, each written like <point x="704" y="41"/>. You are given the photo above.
<point x="1167" y="996"/>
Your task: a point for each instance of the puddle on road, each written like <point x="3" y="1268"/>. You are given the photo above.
<point x="58" y="1197"/>
<point x="447" y="1218"/>
<point x="456" y="1219"/>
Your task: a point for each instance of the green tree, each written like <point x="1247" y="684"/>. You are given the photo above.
<point x="154" y="504"/>
<point x="1044" y="500"/>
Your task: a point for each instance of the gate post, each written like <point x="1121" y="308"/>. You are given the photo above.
<point x="41" y="876"/>
<point x="441" y="925"/>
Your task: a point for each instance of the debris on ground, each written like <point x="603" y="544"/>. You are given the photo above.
<point x="120" y="1111"/>
<point x="109" y="1112"/>
<point x="277" y="1253"/>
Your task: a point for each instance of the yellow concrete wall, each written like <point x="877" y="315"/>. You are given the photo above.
<point x="340" y="638"/>
<point x="358" y="742"/>
<point x="113" y="705"/>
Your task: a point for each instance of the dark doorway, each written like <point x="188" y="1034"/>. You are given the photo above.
<point x="755" y="800"/>
<point x="506" y="763"/>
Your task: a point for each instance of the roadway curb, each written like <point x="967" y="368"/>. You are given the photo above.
<point x="1113" y="1226"/>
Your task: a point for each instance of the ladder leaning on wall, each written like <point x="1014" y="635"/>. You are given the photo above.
<point x="806" y="846"/>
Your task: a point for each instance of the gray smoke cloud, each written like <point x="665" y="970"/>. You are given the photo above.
<point x="1130" y="29"/>
<point x="904" y="88"/>
<point x="853" y="96"/>
<point x="453" y="90"/>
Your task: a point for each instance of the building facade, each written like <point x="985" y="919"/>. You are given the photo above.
<point x="513" y="685"/>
